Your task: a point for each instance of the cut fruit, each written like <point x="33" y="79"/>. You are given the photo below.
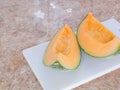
<point x="95" y="39"/>
<point x="63" y="49"/>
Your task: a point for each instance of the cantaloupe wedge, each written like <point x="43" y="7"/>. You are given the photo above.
<point x="63" y="49"/>
<point x="95" y="39"/>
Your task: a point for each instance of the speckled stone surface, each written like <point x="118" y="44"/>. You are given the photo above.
<point x="25" y="23"/>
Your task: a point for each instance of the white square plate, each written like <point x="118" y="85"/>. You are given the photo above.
<point x="89" y="69"/>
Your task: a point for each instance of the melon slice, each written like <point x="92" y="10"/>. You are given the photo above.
<point x="63" y="49"/>
<point x="95" y="39"/>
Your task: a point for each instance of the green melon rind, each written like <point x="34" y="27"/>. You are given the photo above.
<point x="113" y="53"/>
<point x="117" y="52"/>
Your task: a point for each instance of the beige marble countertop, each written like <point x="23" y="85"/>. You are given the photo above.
<point x="25" y="23"/>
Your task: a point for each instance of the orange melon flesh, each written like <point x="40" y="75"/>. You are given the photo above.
<point x="64" y="49"/>
<point x="96" y="39"/>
